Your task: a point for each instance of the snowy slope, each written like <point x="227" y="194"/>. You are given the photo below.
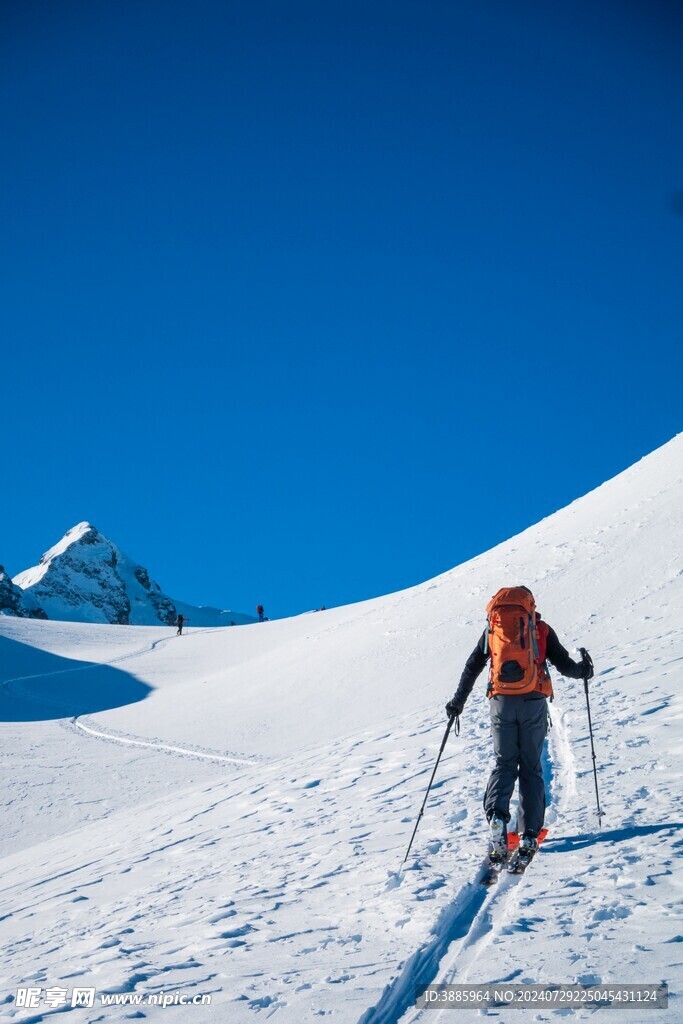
<point x="205" y="615"/>
<point x="297" y="752"/>
<point x="87" y="578"/>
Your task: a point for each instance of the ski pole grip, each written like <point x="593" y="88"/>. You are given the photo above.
<point x="588" y="664"/>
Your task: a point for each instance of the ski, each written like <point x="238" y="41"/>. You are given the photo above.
<point x="496" y="863"/>
<point x="517" y="864"/>
<point x="493" y="869"/>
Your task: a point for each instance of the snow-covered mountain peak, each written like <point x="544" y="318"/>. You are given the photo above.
<point x="85" y="577"/>
<point x="72" y="536"/>
<point x="81" y="533"/>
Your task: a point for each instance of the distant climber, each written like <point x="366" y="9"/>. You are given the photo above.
<point x="519" y="645"/>
<point x="180" y="622"/>
<point x="260" y="612"/>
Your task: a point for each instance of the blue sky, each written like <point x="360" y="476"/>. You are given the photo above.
<point x="304" y="302"/>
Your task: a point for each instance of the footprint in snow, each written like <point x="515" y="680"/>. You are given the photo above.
<point x="457" y="816"/>
<point x="426" y="892"/>
<point x="612" y="912"/>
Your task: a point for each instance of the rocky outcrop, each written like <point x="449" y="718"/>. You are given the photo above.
<point x="14" y="601"/>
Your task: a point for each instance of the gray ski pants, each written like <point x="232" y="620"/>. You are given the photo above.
<point x="518" y="727"/>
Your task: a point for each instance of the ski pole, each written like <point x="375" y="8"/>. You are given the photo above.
<point x="589" y="662"/>
<point x="451" y="720"/>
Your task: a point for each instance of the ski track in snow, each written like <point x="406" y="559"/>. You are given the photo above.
<point x="83" y="723"/>
<point x="219" y="927"/>
<point x="157" y="744"/>
<point x="465" y="927"/>
<point x="198" y="873"/>
<point x="461" y="941"/>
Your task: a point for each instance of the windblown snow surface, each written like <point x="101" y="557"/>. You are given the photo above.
<point x="226" y="812"/>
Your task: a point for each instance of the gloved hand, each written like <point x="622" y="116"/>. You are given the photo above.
<point x="453" y="708"/>
<point x="588" y="670"/>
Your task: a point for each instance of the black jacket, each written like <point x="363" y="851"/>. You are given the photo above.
<point x="555" y="653"/>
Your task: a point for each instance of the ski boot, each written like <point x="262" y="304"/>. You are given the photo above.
<point x="498" y="848"/>
<point x="528" y="845"/>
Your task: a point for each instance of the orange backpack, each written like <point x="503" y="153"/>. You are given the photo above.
<point x="512" y="643"/>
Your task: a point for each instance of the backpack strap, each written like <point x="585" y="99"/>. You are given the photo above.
<point x="534" y="640"/>
<point x="489" y="688"/>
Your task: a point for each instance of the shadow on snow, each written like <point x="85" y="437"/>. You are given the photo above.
<point x="565" y="844"/>
<point x="37" y="686"/>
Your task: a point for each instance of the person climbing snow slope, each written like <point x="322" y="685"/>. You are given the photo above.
<point x="518" y="644"/>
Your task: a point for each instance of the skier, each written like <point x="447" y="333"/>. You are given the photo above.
<point x="180" y="622"/>
<point x="519" y="644"/>
<point x="260" y="612"/>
